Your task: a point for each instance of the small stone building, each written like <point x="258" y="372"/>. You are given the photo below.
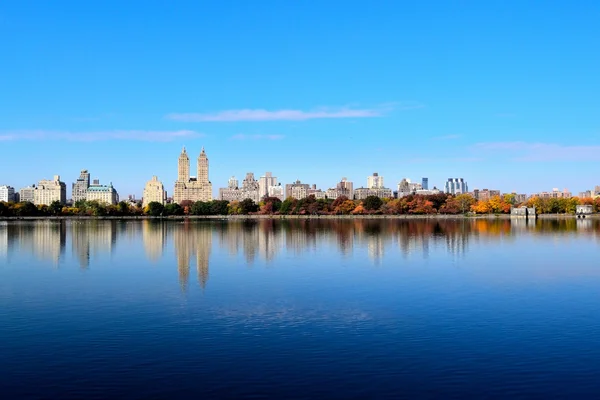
<point x="584" y="209"/>
<point x="523" y="211"/>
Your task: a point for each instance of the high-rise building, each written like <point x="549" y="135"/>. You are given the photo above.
<point x="297" y="190"/>
<point x="27" y="194"/>
<point x="7" y="193"/>
<point x="49" y="191"/>
<point x="375" y="181"/>
<point x="102" y="193"/>
<point x="233" y="183"/>
<point x="196" y="188"/>
<point x="80" y="187"/>
<point x="407" y="187"/>
<point x="249" y="189"/>
<point x="425" y="184"/>
<point x="456" y="186"/>
<point x="345" y="188"/>
<point x="277" y="191"/>
<point x="154" y="191"/>
<point x="265" y="182"/>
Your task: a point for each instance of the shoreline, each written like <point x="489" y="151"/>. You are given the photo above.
<point x="294" y="217"/>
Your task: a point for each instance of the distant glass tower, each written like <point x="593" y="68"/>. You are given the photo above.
<point x="425" y="183"/>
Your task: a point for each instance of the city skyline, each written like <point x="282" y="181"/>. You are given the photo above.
<point x="503" y="95"/>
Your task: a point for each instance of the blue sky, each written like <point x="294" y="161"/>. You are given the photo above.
<point x="501" y="93"/>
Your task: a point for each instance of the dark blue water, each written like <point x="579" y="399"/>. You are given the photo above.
<point x="300" y="309"/>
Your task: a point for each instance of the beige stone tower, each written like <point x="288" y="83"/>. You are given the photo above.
<point x="183" y="167"/>
<point x="202" y="168"/>
<point x="188" y="188"/>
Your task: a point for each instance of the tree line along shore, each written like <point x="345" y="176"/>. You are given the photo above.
<point x="412" y="205"/>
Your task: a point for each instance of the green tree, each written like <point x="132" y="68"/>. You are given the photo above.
<point x="55" y="207"/>
<point x="26" y="208"/>
<point x="173" y="209"/>
<point x="155" y="209"/>
<point x="219" y="207"/>
<point x="4" y="209"/>
<point x="248" y="206"/>
<point x="287" y="205"/>
<point x="123" y="208"/>
<point x="372" y="203"/>
<point x="464" y="202"/>
<point x="201" y="208"/>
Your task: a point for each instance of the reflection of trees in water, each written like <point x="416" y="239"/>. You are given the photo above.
<point x="266" y="239"/>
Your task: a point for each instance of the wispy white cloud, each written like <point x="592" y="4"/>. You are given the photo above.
<point x="291" y="115"/>
<point x="242" y="136"/>
<point x="526" y="151"/>
<point x="139" y="135"/>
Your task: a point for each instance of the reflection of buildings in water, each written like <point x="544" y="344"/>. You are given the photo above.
<point x="45" y="239"/>
<point x="421" y="236"/>
<point x="376" y="248"/>
<point x="192" y="239"/>
<point x="154" y="234"/>
<point x="92" y="238"/>
<point x="457" y="243"/>
<point x="522" y="224"/>
<point x="300" y="236"/>
<point x="262" y="239"/>
<point x="584" y="224"/>
<point x="3" y="241"/>
<point x="270" y="240"/>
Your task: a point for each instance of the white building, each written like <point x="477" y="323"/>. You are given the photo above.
<point x="363" y="193"/>
<point x="154" y="191"/>
<point x="375" y="181"/>
<point x="277" y="191"/>
<point x="456" y="186"/>
<point x="27" y="194"/>
<point x="7" y="193"/>
<point x="265" y="182"/>
<point x="102" y="193"/>
<point x="49" y="191"/>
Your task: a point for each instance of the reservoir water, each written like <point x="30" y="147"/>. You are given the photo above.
<point x="300" y="309"/>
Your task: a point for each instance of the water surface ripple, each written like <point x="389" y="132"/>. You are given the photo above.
<point x="300" y="309"/>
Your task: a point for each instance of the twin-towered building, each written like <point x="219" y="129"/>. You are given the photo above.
<point x="194" y="189"/>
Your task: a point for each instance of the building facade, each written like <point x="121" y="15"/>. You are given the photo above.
<point x="277" y="191"/>
<point x="485" y="194"/>
<point x="49" y="191"/>
<point x="27" y="194"/>
<point x="363" y="193"/>
<point x="406" y="187"/>
<point x="80" y="186"/>
<point x="7" y="193"/>
<point x="265" y="182"/>
<point x="425" y="183"/>
<point x="190" y="188"/>
<point x="375" y="181"/>
<point x="102" y="193"/>
<point x="250" y="189"/>
<point x="154" y="191"/>
<point x="456" y="186"/>
<point x="297" y="190"/>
